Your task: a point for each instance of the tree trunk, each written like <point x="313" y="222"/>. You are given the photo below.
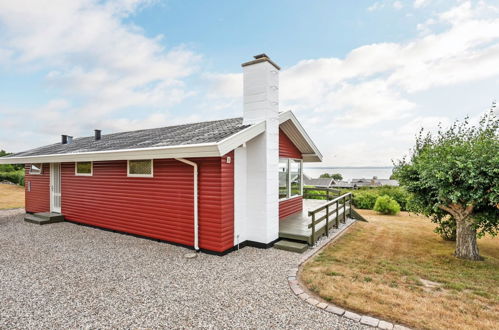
<point x="466" y="246"/>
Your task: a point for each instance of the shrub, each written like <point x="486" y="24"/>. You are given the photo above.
<point x="397" y="193"/>
<point x="14" y="177"/>
<point x="386" y="205"/>
<point x="365" y="199"/>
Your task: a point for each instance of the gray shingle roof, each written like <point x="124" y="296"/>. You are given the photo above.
<point x="318" y="182"/>
<point x="203" y="132"/>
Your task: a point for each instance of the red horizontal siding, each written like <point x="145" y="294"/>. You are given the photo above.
<point x="290" y="206"/>
<point x="286" y="147"/>
<point x="216" y="203"/>
<point x="160" y="207"/>
<point x="38" y="198"/>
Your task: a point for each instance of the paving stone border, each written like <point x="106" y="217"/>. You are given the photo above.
<point x="303" y="293"/>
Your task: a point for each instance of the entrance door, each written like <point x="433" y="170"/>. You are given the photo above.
<point x="55" y="187"/>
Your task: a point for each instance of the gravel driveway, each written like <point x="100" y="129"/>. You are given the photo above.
<point x="68" y="276"/>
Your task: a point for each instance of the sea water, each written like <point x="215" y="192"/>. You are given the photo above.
<point x="350" y="173"/>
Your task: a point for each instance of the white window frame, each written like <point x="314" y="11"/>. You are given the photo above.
<point x="84" y="174"/>
<point x="34" y="173"/>
<point x="139" y="175"/>
<point x="288" y="193"/>
<point x="289" y="179"/>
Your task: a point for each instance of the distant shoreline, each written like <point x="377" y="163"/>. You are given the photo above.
<point x="348" y="167"/>
<point x="351" y="172"/>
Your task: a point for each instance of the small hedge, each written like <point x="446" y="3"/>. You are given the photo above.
<point x="386" y="205"/>
<point x="365" y="199"/>
<point x="16" y="177"/>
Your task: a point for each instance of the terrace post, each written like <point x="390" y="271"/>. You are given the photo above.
<point x="313" y="228"/>
<point x="337" y="218"/>
<point x="344" y="209"/>
<point x="350" y="204"/>
<point x="327" y="219"/>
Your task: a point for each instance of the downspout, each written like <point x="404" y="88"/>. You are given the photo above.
<point x="196" y="226"/>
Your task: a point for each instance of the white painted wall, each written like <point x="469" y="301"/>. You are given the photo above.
<point x="261" y="103"/>
<point x="240" y="195"/>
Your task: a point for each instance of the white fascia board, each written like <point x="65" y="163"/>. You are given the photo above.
<point x="311" y="158"/>
<point x="234" y="141"/>
<point x="187" y="151"/>
<point x="194" y="150"/>
<point x="289" y="115"/>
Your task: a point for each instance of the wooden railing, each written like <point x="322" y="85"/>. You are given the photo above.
<point x="337" y="208"/>
<point x="320" y="193"/>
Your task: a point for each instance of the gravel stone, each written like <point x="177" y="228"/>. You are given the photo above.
<point x="352" y="316"/>
<point x="64" y="275"/>
<point x="370" y="321"/>
<point x="385" y="325"/>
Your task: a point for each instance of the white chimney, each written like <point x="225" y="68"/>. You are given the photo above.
<point x="260" y="158"/>
<point x="261" y="90"/>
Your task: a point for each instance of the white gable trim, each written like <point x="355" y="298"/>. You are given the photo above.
<point x="316" y="156"/>
<point x="232" y="142"/>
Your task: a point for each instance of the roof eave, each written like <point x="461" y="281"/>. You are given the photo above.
<point x="311" y="158"/>
<point x="215" y="149"/>
<point x="200" y="150"/>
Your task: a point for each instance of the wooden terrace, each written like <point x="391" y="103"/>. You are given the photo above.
<point x="317" y="218"/>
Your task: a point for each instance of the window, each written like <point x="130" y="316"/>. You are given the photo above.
<point x="290" y="175"/>
<point x="35" y="169"/>
<point x="295" y="176"/>
<point x="283" y="178"/>
<point x="84" y="168"/>
<point x="140" y="168"/>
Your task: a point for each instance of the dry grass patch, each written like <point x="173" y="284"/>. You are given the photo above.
<point x="11" y="196"/>
<point x="397" y="268"/>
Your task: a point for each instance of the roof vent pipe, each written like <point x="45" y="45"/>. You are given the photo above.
<point x="64" y="139"/>
<point x="97" y="134"/>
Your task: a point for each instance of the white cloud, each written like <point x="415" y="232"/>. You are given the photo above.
<point x="224" y="85"/>
<point x="361" y="109"/>
<point x="373" y="83"/>
<point x="377" y="86"/>
<point x="376" y="6"/>
<point x="408" y="131"/>
<point x="421" y="3"/>
<point x="94" y="57"/>
<point x="398" y="5"/>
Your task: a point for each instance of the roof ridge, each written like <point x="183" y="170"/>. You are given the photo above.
<point x="161" y="127"/>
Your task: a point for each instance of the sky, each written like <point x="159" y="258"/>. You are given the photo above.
<point x="361" y="76"/>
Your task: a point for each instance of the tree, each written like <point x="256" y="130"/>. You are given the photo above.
<point x="8" y="167"/>
<point x="454" y="177"/>
<point x="335" y="176"/>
